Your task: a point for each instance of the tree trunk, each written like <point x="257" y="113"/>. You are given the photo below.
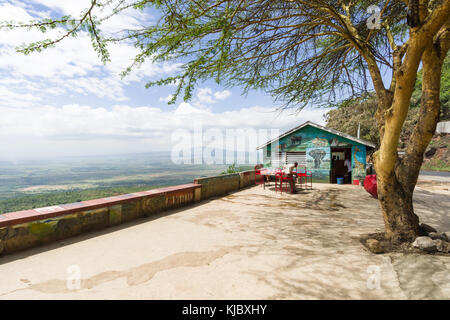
<point x="395" y="197"/>
<point x="430" y="106"/>
<point x="396" y="187"/>
<point x="401" y="224"/>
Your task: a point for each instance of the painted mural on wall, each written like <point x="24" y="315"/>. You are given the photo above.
<point x="318" y="158"/>
<point x="310" y="137"/>
<point x="358" y="162"/>
<point x="336" y="143"/>
<point x="318" y="161"/>
<point x="316" y="144"/>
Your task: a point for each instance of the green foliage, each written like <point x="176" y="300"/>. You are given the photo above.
<point x="70" y="26"/>
<point x="436" y="165"/>
<point x="63" y="197"/>
<point x="32" y="184"/>
<point x="235" y="169"/>
<point x="297" y="50"/>
<point x="349" y="113"/>
<point x="231" y="169"/>
<point x="444" y="92"/>
<point x="440" y="159"/>
<point x="353" y="112"/>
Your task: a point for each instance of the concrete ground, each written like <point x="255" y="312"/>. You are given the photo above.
<point x="435" y="176"/>
<point x="252" y="244"/>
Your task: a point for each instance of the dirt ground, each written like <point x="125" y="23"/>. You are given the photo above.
<point x="252" y="244"/>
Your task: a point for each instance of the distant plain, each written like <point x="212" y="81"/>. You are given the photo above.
<point x="32" y="184"/>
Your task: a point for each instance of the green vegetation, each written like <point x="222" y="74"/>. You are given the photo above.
<point x="361" y="110"/>
<point x="40" y="184"/>
<point x="233" y="169"/>
<point x="63" y="197"/>
<point x="348" y="114"/>
<point x="444" y="94"/>
<point x="437" y="158"/>
<point x="436" y="165"/>
<point x="34" y="184"/>
<point x="353" y="112"/>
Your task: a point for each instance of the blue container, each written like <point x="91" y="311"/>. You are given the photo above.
<point x="340" y="180"/>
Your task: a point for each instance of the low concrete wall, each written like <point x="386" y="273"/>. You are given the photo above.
<point x="247" y="178"/>
<point x="223" y="184"/>
<point x="30" y="228"/>
<point x="218" y="185"/>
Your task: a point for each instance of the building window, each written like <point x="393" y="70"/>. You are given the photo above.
<point x="290" y="157"/>
<point x="296" y="156"/>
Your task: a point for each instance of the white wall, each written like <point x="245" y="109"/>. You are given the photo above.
<point x="443" y="127"/>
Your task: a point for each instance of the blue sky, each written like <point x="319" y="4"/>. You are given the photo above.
<point x="65" y="102"/>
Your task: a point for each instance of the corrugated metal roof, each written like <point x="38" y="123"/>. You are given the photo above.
<point x="309" y="123"/>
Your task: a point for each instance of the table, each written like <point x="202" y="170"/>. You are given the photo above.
<point x="266" y="172"/>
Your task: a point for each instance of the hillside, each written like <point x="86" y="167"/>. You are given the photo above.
<point x="350" y="113"/>
<point x="437" y="156"/>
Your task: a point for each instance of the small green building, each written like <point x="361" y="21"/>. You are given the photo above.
<point x="321" y="150"/>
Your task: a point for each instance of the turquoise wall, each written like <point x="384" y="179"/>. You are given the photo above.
<point x="317" y="145"/>
<point x="358" y="162"/>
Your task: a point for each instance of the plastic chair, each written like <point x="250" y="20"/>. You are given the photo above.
<point x="259" y="178"/>
<point x="281" y="178"/>
<point x="305" y="175"/>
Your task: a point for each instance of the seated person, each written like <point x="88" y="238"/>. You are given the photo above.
<point x="289" y="171"/>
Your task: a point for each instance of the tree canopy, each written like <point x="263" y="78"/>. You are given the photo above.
<point x="348" y="114"/>
<point x="300" y="51"/>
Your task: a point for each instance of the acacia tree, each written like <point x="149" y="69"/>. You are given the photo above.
<point x="301" y="51"/>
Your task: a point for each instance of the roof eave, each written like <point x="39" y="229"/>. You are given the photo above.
<point x="338" y="133"/>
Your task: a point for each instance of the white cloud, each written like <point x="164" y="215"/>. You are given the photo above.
<point x="186" y="110"/>
<point x="222" y="95"/>
<point x="12" y="98"/>
<point x="80" y="124"/>
<point x="102" y="87"/>
<point x="29" y="126"/>
<point x="72" y="65"/>
<point x="166" y="99"/>
<point x="206" y="95"/>
<point x="65" y="7"/>
<point x="125" y="121"/>
<point x="128" y="19"/>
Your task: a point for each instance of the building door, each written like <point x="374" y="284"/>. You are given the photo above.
<point x="339" y="156"/>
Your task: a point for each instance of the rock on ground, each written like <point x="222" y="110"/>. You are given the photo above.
<point x="442" y="246"/>
<point x="425" y="243"/>
<point x="374" y="246"/>
<point x="438" y="236"/>
<point x="426" y="228"/>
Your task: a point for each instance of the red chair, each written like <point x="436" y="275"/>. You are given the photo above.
<point x="281" y="178"/>
<point x="259" y="178"/>
<point x="276" y="172"/>
<point x="305" y="174"/>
